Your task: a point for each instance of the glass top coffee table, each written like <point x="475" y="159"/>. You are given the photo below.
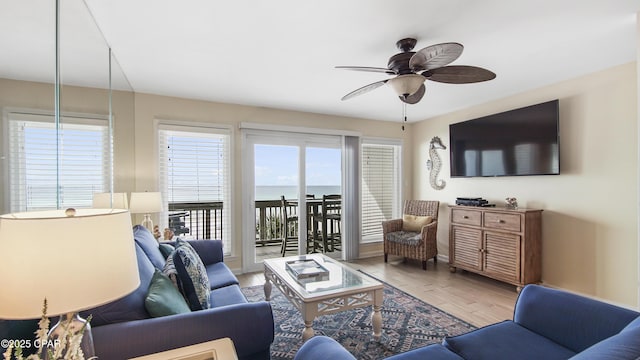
<point x="318" y="285"/>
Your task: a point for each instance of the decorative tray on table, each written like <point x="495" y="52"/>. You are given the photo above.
<point x="307" y="269"/>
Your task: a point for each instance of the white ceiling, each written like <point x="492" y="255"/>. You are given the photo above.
<point x="282" y="53"/>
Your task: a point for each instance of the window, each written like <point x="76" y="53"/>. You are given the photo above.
<point x="33" y="165"/>
<point x="380" y="186"/>
<point x="195" y="181"/>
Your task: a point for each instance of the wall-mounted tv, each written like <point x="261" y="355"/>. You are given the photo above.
<point x="523" y="141"/>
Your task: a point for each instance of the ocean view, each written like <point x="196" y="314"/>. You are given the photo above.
<point x="273" y="192"/>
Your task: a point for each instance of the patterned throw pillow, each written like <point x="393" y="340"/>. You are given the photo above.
<point x="192" y="276"/>
<point x="169" y="270"/>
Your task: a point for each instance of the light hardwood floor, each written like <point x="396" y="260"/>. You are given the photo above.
<point x="473" y="298"/>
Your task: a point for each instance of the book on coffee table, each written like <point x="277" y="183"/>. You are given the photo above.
<point x="307" y="268"/>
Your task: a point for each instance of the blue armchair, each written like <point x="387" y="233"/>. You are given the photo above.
<point x="547" y="324"/>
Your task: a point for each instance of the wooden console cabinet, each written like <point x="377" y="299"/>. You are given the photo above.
<point x="502" y="244"/>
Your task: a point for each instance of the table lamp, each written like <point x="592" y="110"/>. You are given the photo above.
<point x="75" y="259"/>
<point x="110" y="201"/>
<point x="146" y="203"/>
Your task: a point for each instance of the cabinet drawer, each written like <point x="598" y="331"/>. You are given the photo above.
<point x="469" y="217"/>
<point x="503" y="221"/>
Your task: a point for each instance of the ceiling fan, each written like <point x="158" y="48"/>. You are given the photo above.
<point x="413" y="68"/>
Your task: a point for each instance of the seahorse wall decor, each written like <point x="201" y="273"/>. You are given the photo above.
<point x="434" y="164"/>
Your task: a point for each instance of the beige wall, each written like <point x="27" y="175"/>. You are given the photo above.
<point x="152" y="107"/>
<point x="590" y="242"/>
<point x="638" y="134"/>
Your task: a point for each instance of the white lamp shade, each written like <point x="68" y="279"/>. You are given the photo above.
<point x="405" y="85"/>
<point x="75" y="262"/>
<point x="146" y="202"/>
<point x="110" y="201"/>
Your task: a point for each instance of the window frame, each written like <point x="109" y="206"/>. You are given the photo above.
<point x="228" y="195"/>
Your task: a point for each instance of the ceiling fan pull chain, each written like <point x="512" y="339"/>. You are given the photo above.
<point x="404" y="114"/>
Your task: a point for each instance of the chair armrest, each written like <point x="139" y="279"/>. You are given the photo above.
<point x="249" y="325"/>
<point x="573" y="321"/>
<point x="391" y="226"/>
<point x="322" y="348"/>
<point x="429" y="230"/>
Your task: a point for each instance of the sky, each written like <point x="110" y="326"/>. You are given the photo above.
<point x="278" y="165"/>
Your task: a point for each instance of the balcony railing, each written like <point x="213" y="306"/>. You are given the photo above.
<point x="203" y="220"/>
<point x="269" y="227"/>
<point x="200" y="220"/>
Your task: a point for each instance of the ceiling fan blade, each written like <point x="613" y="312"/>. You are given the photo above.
<point x="415" y="97"/>
<point x="459" y="74"/>
<point x="435" y="56"/>
<point x="364" y="89"/>
<point x="368" y="69"/>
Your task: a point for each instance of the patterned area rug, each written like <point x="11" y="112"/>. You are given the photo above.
<point x="407" y="323"/>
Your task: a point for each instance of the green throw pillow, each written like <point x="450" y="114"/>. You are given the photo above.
<point x="166" y="249"/>
<point x="163" y="298"/>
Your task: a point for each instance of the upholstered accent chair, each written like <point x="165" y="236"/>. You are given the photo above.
<point x="413" y="236"/>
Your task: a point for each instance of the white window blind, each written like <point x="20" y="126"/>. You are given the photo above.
<point x="380" y="187"/>
<point x="83" y="164"/>
<point x="195" y="180"/>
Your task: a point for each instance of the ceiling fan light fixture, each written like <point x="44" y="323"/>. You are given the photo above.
<point x="433" y="64"/>
<point x="405" y="85"/>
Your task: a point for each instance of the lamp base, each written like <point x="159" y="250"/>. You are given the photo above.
<point x="62" y="334"/>
<point x="147" y="222"/>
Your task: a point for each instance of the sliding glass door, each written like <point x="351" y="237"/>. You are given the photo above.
<point x="286" y="176"/>
<point x="276" y="182"/>
<point x="323" y="171"/>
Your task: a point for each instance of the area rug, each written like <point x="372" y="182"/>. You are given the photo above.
<point x="407" y="323"/>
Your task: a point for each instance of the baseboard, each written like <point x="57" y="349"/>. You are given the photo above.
<point x="593" y="297"/>
<point x="443" y="258"/>
<point x="370" y="254"/>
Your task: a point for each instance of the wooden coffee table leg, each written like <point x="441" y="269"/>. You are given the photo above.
<point x="267" y="288"/>
<point x="308" y="314"/>
<point x="308" y="332"/>
<point x="376" y="317"/>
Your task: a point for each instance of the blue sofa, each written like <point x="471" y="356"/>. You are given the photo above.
<point x="547" y="324"/>
<point x="124" y="329"/>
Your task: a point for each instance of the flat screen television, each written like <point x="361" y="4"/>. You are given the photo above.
<point x="523" y="141"/>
